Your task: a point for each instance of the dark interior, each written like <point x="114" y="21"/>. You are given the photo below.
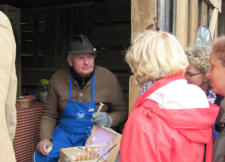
<point x="43" y="29"/>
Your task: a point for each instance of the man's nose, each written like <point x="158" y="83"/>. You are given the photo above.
<point x="86" y="60"/>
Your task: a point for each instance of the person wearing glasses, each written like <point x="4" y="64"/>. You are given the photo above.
<point x="196" y="73"/>
<point x="72" y="101"/>
<point x="172" y="120"/>
<point x="198" y="67"/>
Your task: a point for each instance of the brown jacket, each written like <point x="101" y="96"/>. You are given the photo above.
<point x="107" y="91"/>
<point x="219" y="145"/>
<point x="8" y="88"/>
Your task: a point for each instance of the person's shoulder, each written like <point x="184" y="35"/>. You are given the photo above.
<point x="61" y="72"/>
<point x="180" y="94"/>
<point x="3" y="16"/>
<point x="102" y="71"/>
<point x="4" y="21"/>
<point x="191" y="96"/>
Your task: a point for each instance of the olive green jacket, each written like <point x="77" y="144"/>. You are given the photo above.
<point x="107" y="91"/>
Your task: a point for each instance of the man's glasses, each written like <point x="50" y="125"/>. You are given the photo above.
<point x="191" y="74"/>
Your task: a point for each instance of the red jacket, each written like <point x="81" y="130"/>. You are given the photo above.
<point x="153" y="134"/>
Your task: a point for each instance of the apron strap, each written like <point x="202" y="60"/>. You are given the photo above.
<point x="92" y="88"/>
<point x="70" y="88"/>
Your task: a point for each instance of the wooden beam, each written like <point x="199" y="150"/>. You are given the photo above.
<point x="221" y="22"/>
<point x="143" y="16"/>
<point x="134" y="91"/>
<point x="182" y="22"/>
<point x="220" y="5"/>
<point x="193" y="22"/>
<point x="62" y="6"/>
<point x="174" y="17"/>
<point x="216" y="30"/>
<point x="204" y="14"/>
<point x="215" y="3"/>
<point x="213" y="21"/>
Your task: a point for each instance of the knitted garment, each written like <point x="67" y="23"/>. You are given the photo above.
<point x="211" y="96"/>
<point x="145" y="87"/>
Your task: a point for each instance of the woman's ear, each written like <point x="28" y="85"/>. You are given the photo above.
<point x="69" y="60"/>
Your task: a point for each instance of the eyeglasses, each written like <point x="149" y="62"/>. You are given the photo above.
<point x="191" y="74"/>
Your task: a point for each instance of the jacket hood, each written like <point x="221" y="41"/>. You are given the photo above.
<point x="194" y="124"/>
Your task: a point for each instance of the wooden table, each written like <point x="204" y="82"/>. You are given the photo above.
<point x="27" y="131"/>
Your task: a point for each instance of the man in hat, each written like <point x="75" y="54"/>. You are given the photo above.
<point x="74" y="95"/>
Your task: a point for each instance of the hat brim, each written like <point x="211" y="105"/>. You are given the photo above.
<point x="75" y="52"/>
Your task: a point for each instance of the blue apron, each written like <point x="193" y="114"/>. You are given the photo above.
<point x="74" y="126"/>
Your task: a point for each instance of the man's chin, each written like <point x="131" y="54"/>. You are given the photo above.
<point x="86" y="74"/>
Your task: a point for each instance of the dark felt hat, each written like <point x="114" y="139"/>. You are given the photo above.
<point x="81" y="45"/>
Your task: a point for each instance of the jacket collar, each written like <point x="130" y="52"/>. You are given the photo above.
<point x="79" y="79"/>
<point x="157" y="85"/>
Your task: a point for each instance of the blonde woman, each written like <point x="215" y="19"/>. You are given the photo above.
<point x="172" y="121"/>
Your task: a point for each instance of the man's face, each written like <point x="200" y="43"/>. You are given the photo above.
<point x="83" y="64"/>
<point x="216" y="75"/>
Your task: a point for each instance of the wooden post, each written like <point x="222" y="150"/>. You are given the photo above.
<point x="213" y="21"/>
<point x="143" y="16"/>
<point x="215" y="4"/>
<point x="216" y="30"/>
<point x="134" y="91"/>
<point x="221" y="22"/>
<point x="193" y="22"/>
<point x="182" y="22"/>
<point x="204" y="14"/>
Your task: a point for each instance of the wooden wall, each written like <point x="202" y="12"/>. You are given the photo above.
<point x="47" y="31"/>
<point x="190" y="15"/>
<point x="221" y="20"/>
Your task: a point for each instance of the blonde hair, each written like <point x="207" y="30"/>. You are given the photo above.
<point x="154" y="55"/>
<point x="199" y="57"/>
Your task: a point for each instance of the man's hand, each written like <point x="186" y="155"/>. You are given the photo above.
<point x="44" y="146"/>
<point x="101" y="119"/>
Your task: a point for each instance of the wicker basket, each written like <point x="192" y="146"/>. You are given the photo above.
<point x="24" y="102"/>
